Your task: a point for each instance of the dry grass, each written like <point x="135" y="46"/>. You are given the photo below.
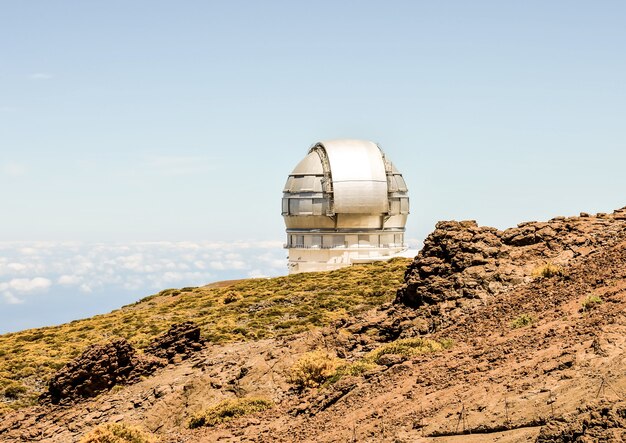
<point x="313" y="369"/>
<point x="408" y="347"/>
<point x="548" y="270"/>
<point x="117" y="433"/>
<point x="256" y="309"/>
<point x="228" y="410"/>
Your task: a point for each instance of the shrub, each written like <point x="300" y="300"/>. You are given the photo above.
<point x="313" y="369"/>
<point x="117" y="433"/>
<point x="228" y="410"/>
<point x="548" y="270"/>
<point x="14" y="390"/>
<point x="409" y="347"/>
<point x="351" y="369"/>
<point x="522" y="321"/>
<point x="231" y="297"/>
<point x="591" y="302"/>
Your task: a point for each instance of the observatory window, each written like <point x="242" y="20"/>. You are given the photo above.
<point x="316" y="241"/>
<point x="352" y="241"/>
<point x="374" y="240"/>
<point x="318" y="206"/>
<point x="339" y="240"/>
<point x="305" y="206"/>
<point x="399" y="239"/>
<point x="364" y="240"/>
<point x="293" y="206"/>
<point x="285" y="206"/>
<point x="386" y="239"/>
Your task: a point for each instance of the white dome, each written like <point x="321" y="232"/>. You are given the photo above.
<point x="345" y="193"/>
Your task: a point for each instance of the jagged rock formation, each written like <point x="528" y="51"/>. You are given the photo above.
<point x="98" y="369"/>
<point x="103" y="366"/>
<point x="461" y="260"/>
<point x="183" y="339"/>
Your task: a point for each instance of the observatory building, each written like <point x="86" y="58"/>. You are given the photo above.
<point x="344" y="203"/>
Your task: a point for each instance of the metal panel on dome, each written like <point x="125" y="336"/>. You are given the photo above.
<point x="358" y="175"/>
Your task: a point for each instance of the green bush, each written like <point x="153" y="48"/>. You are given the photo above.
<point x="591" y="302"/>
<point x="228" y="410"/>
<point x="522" y="321"/>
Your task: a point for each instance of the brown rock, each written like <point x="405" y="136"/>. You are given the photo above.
<point x="99" y="368"/>
<point x="182" y="340"/>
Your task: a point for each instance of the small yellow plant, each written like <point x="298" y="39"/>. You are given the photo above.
<point x="548" y="270"/>
<point x="522" y="321"/>
<point x="409" y="347"/>
<point x="591" y="302"/>
<point x="228" y="410"/>
<point x="117" y="433"/>
<point x="313" y="369"/>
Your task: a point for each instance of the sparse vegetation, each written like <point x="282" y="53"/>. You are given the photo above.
<point x="522" y="320"/>
<point x="548" y="270"/>
<point x="351" y="369"/>
<point x="117" y="433"/>
<point x="313" y="369"/>
<point x="228" y="410"/>
<point x="408" y="347"/>
<point x="591" y="302"/>
<point x="260" y="308"/>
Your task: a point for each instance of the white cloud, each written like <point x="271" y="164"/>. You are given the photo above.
<point x="29" y="285"/>
<point x="256" y="273"/>
<point x="11" y="299"/>
<point x="69" y="280"/>
<point x="40" y="76"/>
<point x="142" y="267"/>
<point x="17" y="267"/>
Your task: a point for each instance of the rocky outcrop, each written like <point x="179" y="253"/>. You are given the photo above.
<point x="600" y="424"/>
<point x="461" y="260"/>
<point x="183" y="339"/>
<point x="98" y="369"/>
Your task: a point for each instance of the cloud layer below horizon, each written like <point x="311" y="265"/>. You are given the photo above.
<point x="34" y="274"/>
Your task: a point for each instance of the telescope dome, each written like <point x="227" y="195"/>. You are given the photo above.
<point x="344" y="203"/>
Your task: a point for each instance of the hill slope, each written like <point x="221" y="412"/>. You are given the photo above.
<point x="511" y="336"/>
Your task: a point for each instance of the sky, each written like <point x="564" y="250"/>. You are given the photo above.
<point x="145" y="126"/>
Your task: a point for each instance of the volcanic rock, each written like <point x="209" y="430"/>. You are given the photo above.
<point x="461" y="260"/>
<point x="98" y="369"/>
<point x="183" y="339"/>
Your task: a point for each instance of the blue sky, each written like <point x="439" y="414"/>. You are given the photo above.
<point x="141" y="121"/>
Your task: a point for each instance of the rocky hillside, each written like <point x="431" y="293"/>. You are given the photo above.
<point x="508" y="336"/>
